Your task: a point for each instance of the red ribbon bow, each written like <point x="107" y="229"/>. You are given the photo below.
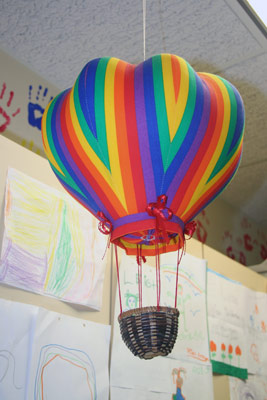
<point x="161" y="213"/>
<point x="190" y="228"/>
<point x="105" y="226"/>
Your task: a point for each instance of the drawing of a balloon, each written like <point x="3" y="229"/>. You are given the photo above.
<point x="145" y="148"/>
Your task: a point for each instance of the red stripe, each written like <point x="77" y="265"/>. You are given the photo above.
<point x="207" y="196"/>
<point x="200" y="162"/>
<point x="176" y="74"/>
<point x="122" y="140"/>
<point x="80" y="158"/>
<point x="132" y="133"/>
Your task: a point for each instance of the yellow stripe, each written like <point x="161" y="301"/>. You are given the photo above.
<point x="178" y="107"/>
<point x="223" y="136"/>
<point x="46" y="144"/>
<point x="215" y="178"/>
<point x="168" y="91"/>
<point x="111" y="133"/>
<point x="86" y="146"/>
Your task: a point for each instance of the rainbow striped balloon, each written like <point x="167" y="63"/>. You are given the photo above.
<point x="158" y="136"/>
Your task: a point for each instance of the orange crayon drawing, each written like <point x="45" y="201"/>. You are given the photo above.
<point x="178" y="380"/>
<point x="254" y="352"/>
<point x="198" y="356"/>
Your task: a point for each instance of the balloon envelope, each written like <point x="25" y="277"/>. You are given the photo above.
<point x="125" y="135"/>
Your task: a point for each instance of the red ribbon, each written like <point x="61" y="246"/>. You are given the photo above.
<point x="190" y="228"/>
<point x="161" y="213"/>
<point x="105" y="226"/>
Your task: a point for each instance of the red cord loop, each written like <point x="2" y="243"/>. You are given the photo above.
<point x="161" y="213"/>
<point x="190" y="228"/>
<point x="140" y="259"/>
<point x="104" y="226"/>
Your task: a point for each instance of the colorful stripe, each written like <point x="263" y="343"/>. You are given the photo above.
<point x="125" y="134"/>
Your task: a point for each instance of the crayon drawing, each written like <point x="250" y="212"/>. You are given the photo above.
<point x="162" y="378"/>
<point x="187" y="370"/>
<point x="69" y="359"/>
<point x="8" y="365"/>
<point x="178" y="381"/>
<point x="17" y="325"/>
<point x="51" y="244"/>
<point x="227" y="323"/>
<point x="70" y="366"/>
<point x="192" y="341"/>
<point x="254" y="388"/>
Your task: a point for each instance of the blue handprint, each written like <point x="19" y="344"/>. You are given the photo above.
<point x="35" y="110"/>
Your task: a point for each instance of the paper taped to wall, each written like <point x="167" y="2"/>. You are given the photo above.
<point x="51" y="244"/>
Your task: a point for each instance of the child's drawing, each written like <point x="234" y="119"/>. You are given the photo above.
<point x="8" y="365"/>
<point x="51" y="244"/>
<point x="178" y="380"/>
<point x="192" y="341"/>
<point x="254" y="388"/>
<point x="17" y="322"/>
<point x="64" y="362"/>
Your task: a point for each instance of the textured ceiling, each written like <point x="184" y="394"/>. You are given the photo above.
<point x="56" y="38"/>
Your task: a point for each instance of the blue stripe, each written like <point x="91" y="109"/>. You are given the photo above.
<point x="87" y="93"/>
<point x="152" y="125"/>
<point x="56" y="133"/>
<point x="189" y="138"/>
<point x="239" y="121"/>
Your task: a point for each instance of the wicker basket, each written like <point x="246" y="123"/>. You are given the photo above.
<point x="149" y="332"/>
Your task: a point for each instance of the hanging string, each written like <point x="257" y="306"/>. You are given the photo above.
<point x="140" y="278"/>
<point x="118" y="276"/>
<point x="158" y="283"/>
<point x="179" y="258"/>
<point x="144" y="28"/>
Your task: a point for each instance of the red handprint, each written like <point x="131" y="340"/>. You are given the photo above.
<point x="247" y="242"/>
<point x="201" y="232"/>
<point x="4" y="114"/>
<point x="263" y="252"/>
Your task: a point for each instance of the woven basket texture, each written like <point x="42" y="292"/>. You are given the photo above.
<point x="149" y="331"/>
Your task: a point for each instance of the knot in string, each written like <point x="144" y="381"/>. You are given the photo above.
<point x="190" y="228"/>
<point x="161" y="213"/>
<point x="104" y="226"/>
<point x="140" y="259"/>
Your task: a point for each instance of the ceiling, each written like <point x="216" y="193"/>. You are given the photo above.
<point x="56" y="38"/>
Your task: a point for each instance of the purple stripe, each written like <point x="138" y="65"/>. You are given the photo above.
<point x="72" y="165"/>
<point x="193" y="149"/>
<point x="140" y="217"/>
<point x="144" y="147"/>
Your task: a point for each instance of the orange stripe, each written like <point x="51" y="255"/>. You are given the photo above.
<point x="203" y="198"/>
<point x="201" y="168"/>
<point x="100" y="185"/>
<point x="123" y="145"/>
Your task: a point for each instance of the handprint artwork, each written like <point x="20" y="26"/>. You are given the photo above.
<point x="35" y="109"/>
<point x="5" y="114"/>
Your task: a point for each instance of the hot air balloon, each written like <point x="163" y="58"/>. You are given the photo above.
<point x="145" y="148"/>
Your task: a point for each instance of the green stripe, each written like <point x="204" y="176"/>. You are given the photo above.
<point x="226" y="369"/>
<point x="186" y="119"/>
<point x="161" y="111"/>
<point x="100" y="119"/>
<point x="225" y="157"/>
<point x="98" y="144"/>
<point x="66" y="177"/>
<point x="170" y="148"/>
